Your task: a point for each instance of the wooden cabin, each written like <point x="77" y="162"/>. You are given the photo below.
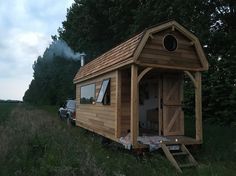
<point x="136" y="88"/>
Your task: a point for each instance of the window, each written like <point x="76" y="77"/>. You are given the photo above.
<point x="170" y="43"/>
<point x="104" y="93"/>
<point x="87" y="94"/>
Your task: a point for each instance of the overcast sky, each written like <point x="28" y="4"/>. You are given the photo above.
<point x="26" y="27"/>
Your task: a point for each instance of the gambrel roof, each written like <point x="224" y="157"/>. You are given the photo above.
<point x="129" y="52"/>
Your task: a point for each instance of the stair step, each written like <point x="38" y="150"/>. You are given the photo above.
<point x="179" y="153"/>
<point x="182" y="151"/>
<point x="187" y="165"/>
<point x="173" y="147"/>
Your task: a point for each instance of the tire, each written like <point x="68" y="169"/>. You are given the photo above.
<point x="68" y="122"/>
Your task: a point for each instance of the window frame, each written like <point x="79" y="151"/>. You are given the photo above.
<point x="94" y="93"/>
<point x="108" y="88"/>
<point x="165" y="45"/>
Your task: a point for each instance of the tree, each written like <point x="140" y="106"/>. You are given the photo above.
<point x="95" y="26"/>
<point x="53" y="78"/>
<point x="220" y="88"/>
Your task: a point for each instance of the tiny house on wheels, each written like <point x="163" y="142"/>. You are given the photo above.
<point x="133" y="93"/>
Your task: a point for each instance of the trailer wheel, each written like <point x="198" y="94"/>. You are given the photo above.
<point x="68" y="121"/>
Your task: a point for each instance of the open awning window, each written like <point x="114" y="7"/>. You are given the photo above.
<point x="104" y="93"/>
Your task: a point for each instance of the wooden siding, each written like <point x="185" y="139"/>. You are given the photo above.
<point x="184" y="56"/>
<point x="145" y="49"/>
<point x="125" y="102"/>
<point x="97" y="117"/>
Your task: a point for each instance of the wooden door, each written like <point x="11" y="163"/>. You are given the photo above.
<point x="173" y="115"/>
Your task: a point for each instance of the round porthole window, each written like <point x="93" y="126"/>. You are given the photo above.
<point x="170" y="43"/>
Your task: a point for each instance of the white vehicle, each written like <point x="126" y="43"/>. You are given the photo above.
<point x="67" y="111"/>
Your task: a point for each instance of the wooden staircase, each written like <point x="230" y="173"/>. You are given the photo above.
<point x="179" y="156"/>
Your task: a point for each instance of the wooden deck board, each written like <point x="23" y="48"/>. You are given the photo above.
<point x="182" y="140"/>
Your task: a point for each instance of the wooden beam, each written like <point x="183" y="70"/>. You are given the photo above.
<point x="160" y="109"/>
<point x="191" y="77"/>
<point x="170" y="157"/>
<point x="140" y="46"/>
<point x="198" y="106"/>
<point x="190" y="156"/>
<point x="143" y="73"/>
<point x="168" y="67"/>
<point x="134" y="106"/>
<point x="118" y="105"/>
<point x="151" y="36"/>
<point x="184" y="31"/>
<point x="173" y="28"/>
<point x="201" y="55"/>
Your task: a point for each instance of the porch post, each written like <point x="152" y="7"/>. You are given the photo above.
<point x="198" y="106"/>
<point x="118" y="105"/>
<point x="134" y="106"/>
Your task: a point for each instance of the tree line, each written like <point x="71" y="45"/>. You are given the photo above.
<point x="53" y="76"/>
<point x="95" y="26"/>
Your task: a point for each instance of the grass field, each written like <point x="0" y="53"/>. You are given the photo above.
<point x="35" y="142"/>
<point x="5" y="110"/>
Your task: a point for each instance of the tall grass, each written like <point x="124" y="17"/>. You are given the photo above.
<point x="35" y="142"/>
<point x="5" y="110"/>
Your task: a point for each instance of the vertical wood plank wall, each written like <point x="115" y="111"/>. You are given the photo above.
<point x="118" y="104"/>
<point x="125" y="102"/>
<point x="97" y="117"/>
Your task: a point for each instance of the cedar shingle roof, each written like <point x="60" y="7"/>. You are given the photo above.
<point x="127" y="52"/>
<point x="114" y="56"/>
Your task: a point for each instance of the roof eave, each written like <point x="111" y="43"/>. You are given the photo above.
<point x="126" y="62"/>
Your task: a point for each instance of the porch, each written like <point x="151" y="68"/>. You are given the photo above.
<point x="164" y="123"/>
<point x="155" y="142"/>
